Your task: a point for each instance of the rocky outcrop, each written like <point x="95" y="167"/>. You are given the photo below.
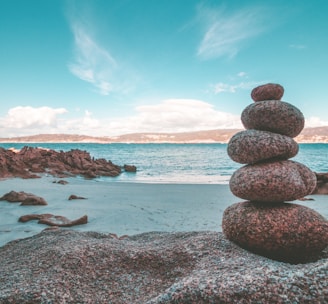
<point x="29" y="162"/>
<point x="26" y="199"/>
<point x="53" y="220"/>
<point x="285" y="231"/>
<point x="60" y="266"/>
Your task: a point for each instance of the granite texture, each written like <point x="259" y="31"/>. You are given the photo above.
<point x="252" y="146"/>
<point x="269" y="91"/>
<point x="273" y="181"/>
<point x="64" y="266"/>
<point x="287" y="232"/>
<point x="275" y="116"/>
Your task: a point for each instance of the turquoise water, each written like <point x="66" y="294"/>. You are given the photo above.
<point x="178" y="163"/>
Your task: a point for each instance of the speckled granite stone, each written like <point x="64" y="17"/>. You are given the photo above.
<point x="275" y="116"/>
<point x="252" y="146"/>
<point x="273" y="181"/>
<point x="286" y="232"/>
<point x="269" y="91"/>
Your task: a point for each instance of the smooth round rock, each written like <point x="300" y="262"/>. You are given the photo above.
<point x="273" y="181"/>
<point x="252" y="146"/>
<point x="269" y="91"/>
<point x="286" y="232"/>
<point x="274" y="116"/>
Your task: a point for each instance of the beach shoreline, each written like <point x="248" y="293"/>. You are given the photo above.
<point x="124" y="208"/>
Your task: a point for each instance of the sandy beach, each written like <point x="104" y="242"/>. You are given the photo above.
<point x="124" y="208"/>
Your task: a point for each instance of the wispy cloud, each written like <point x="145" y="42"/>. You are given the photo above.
<point x="245" y="84"/>
<point x="221" y="87"/>
<point x="225" y="33"/>
<point x="297" y="46"/>
<point x="92" y="63"/>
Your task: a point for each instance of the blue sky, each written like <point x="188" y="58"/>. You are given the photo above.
<point x="110" y="67"/>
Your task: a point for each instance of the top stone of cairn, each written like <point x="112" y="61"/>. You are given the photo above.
<point x="269" y="91"/>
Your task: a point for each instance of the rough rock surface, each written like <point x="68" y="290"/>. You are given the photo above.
<point x="53" y="220"/>
<point x="274" y="116"/>
<point x="273" y="181"/>
<point x="322" y="183"/>
<point x="130" y="168"/>
<point x="287" y="232"/>
<point x="29" y="162"/>
<point x="269" y="91"/>
<point x="26" y="199"/>
<point x="252" y="146"/>
<point x="63" y="266"/>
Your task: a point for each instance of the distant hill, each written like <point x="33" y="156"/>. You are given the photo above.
<point x="308" y="135"/>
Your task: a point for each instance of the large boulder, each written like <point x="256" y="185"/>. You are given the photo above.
<point x="286" y="232"/>
<point x="274" y="116"/>
<point x="269" y="91"/>
<point x="273" y="181"/>
<point x="151" y="268"/>
<point x="252" y="146"/>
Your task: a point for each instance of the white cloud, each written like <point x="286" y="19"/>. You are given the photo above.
<point x="224" y="34"/>
<point x="314" y="121"/>
<point x="172" y="115"/>
<point x="29" y="117"/>
<point x="176" y="115"/>
<point x="92" y="63"/>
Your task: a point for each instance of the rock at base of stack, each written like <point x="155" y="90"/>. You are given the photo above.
<point x="286" y="232"/>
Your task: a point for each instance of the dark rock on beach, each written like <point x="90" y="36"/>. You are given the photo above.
<point x="54" y="220"/>
<point x="26" y="199"/>
<point x="322" y="183"/>
<point x="273" y="181"/>
<point x="60" y="266"/>
<point x="269" y="91"/>
<point x="29" y="162"/>
<point x="61" y="182"/>
<point x="274" y="116"/>
<point x="130" y="168"/>
<point x="287" y="232"/>
<point x="75" y="197"/>
<point x="252" y="146"/>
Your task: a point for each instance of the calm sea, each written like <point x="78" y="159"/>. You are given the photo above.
<point x="178" y="163"/>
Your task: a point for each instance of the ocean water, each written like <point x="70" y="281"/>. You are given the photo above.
<point x="178" y="163"/>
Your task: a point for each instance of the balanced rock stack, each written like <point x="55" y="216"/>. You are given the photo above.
<point x="265" y="223"/>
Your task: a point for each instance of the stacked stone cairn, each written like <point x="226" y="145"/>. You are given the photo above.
<point x="267" y="223"/>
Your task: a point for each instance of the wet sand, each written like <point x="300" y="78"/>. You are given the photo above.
<point x="124" y="208"/>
